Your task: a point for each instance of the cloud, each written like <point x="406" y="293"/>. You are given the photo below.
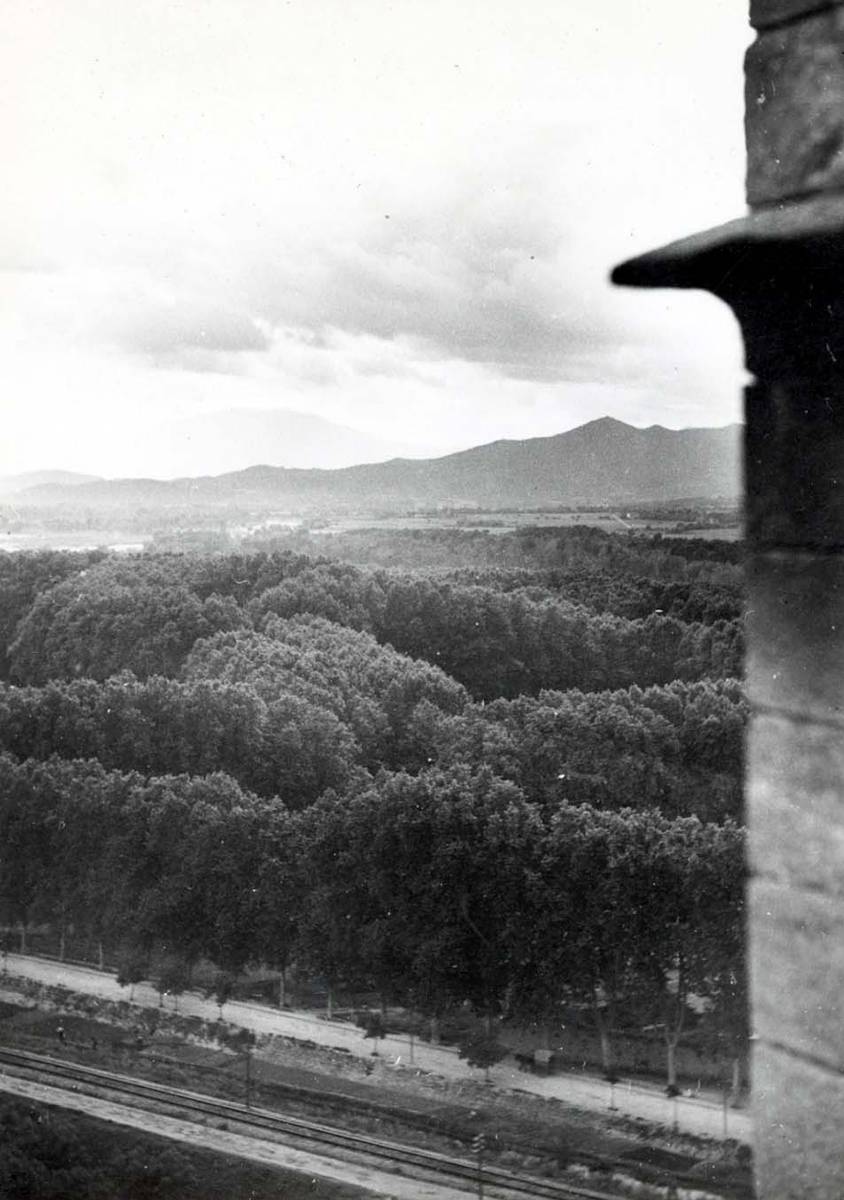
<point x="393" y="215"/>
<point x="492" y="263"/>
<point x="485" y="296"/>
<point x="185" y="329"/>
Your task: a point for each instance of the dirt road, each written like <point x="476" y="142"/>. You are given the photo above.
<point x="693" y="1114"/>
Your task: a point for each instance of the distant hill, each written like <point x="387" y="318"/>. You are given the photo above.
<point x="233" y="439"/>
<point x="604" y="461"/>
<point x="11" y="484"/>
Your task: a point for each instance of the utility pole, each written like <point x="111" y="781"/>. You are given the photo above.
<point x="247" y="1039"/>
<point x="479" y="1145"/>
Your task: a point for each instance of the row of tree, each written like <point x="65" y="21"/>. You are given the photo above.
<point x="438" y="890"/>
<point x="677" y="748"/>
<point x="318" y="704"/>
<point x="630" y="576"/>
<point x="145" y="615"/>
<point x="502" y="643"/>
<point x="632" y="596"/>
<point x="288" y="715"/>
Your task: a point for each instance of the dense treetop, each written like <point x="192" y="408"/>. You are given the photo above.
<point x="97" y="626"/>
<point x="499" y="770"/>
<point x="288" y="746"/>
<point x="292" y="674"/>
<point x="145" y="614"/>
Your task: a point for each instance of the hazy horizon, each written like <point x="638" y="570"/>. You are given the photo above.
<point x="308" y="461"/>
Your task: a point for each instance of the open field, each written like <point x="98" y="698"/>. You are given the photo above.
<point x="42" y="534"/>
<point x="142" y="1154"/>
<point x="137" y="1154"/>
<point x="506" y="522"/>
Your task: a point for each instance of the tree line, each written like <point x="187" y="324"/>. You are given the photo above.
<point x="448" y="888"/>
<point x="632" y="596"/>
<point x="532" y="547"/>
<point x="290" y="717"/>
<point x="146" y="614"/>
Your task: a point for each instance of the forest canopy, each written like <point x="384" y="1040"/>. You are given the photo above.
<point x="499" y="771"/>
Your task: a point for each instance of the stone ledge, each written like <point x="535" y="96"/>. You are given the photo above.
<point x="800" y="234"/>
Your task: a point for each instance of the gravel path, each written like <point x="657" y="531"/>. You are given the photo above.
<point x="695" y="1115"/>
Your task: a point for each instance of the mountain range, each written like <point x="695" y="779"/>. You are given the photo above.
<point x="604" y="461"/>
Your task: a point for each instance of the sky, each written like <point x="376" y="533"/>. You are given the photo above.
<point x="399" y="215"/>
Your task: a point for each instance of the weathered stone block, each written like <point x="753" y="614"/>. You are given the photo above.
<point x="795" y="803"/>
<point x="794" y="109"/>
<point x="795" y="658"/>
<point x="797" y="1109"/>
<point x="765" y="14"/>
<point x="797" y="970"/>
<point x="794" y="460"/>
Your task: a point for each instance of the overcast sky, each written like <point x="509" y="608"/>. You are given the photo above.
<point x="396" y="215"/>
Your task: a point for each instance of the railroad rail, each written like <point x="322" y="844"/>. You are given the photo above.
<point x="254" y="1120"/>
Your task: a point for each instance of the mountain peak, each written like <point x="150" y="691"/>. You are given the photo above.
<point x="606" y="423"/>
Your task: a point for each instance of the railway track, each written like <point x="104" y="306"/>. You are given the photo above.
<point x="254" y="1121"/>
